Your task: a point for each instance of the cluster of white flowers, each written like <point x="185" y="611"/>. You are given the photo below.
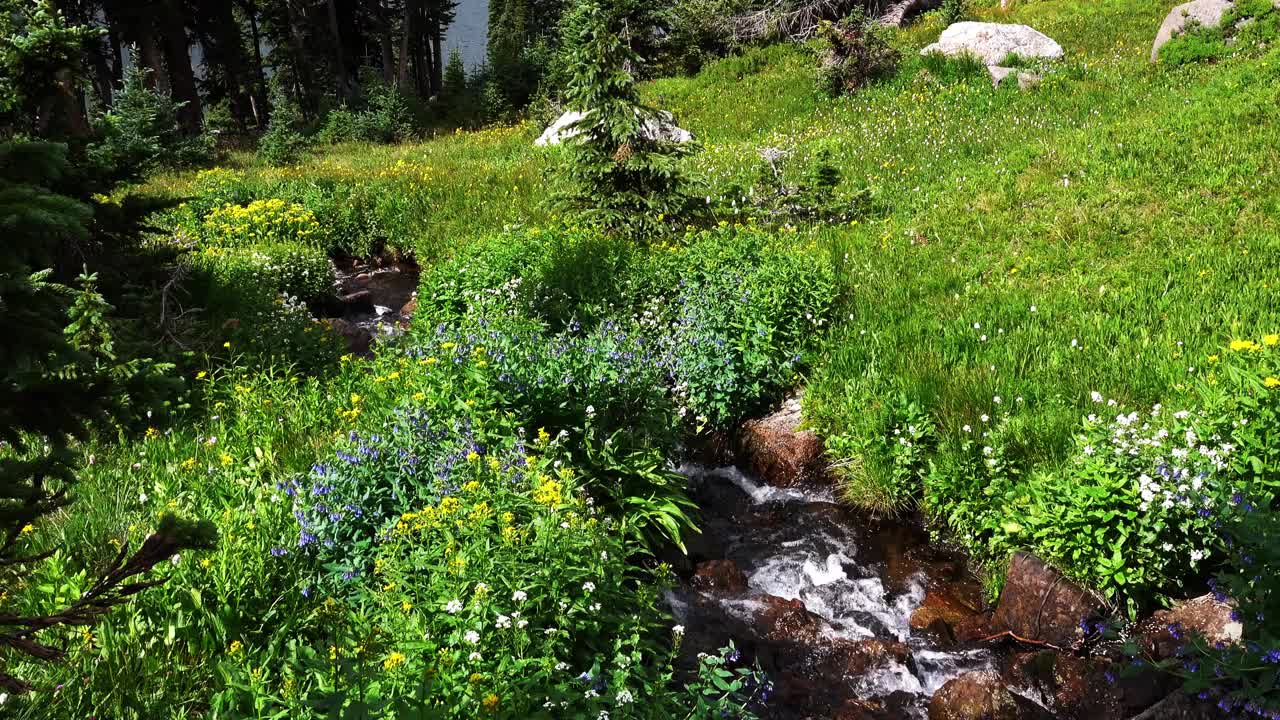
<point x="1176" y="470"/>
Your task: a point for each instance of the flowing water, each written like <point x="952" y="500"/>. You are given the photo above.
<point x="858" y="580"/>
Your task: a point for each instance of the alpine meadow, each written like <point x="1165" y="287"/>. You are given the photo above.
<point x="689" y="359"/>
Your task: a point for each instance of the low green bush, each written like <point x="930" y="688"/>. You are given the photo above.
<point x="856" y="53"/>
<point x="288" y="268"/>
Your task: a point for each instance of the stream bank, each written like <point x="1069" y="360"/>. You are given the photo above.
<point x="863" y="618"/>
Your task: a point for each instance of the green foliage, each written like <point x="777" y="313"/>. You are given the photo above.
<point x="140" y="132"/>
<point x="953" y="11"/>
<point x="1246" y="27"/>
<point x="885" y="456"/>
<point x="290" y="268"/>
<point x="856" y="53"/>
<point x="283" y="142"/>
<point x="622" y="176"/>
<point x="39" y="60"/>
<point x="61" y="382"/>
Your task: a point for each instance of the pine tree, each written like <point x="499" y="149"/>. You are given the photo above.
<point x="623" y="176"/>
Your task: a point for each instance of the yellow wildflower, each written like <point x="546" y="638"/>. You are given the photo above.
<point x="28" y="529"/>
<point x="189" y="463"/>
<point x="1271" y="340"/>
<point x="235" y="648"/>
<point x="1272" y="382"/>
<point x="393" y="661"/>
<point x="225" y="459"/>
<point x="1239" y="345"/>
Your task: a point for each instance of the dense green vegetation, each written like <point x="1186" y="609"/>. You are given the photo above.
<point x="1046" y="320"/>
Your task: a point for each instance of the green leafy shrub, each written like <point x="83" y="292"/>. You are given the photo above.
<point x="263" y="222"/>
<point x="883" y="459"/>
<point x="290" y="268"/>
<point x="1134" y="510"/>
<point x="856" y="53"/>
<point x="340" y="125"/>
<point x="953" y="11"/>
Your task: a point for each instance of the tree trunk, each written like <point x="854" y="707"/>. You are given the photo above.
<point x="177" y="55"/>
<point x="227" y="42"/>
<point x="339" y="54"/>
<point x="260" y="111"/>
<point x="408" y="27"/>
<point x="437" y="64"/>
<point x="157" y="79"/>
<point x="385" y="43"/>
<point x="302" y="77"/>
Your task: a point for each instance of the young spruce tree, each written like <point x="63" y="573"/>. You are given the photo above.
<point x="623" y="176"/>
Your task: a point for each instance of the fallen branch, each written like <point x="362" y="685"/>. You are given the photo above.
<point x="1028" y="641"/>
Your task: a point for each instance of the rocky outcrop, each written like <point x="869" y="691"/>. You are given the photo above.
<point x="1164" y="632"/>
<point x="1202" y="13"/>
<point x="993" y="42"/>
<point x="659" y="127"/>
<point x="1039" y="603"/>
<point x="982" y="696"/>
<point x="777" y="451"/>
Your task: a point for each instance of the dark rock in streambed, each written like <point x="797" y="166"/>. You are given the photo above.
<point x="982" y="696"/>
<point x="358" y="339"/>
<point x="777" y="451"/>
<point x="721" y="576"/>
<point x="360" y="301"/>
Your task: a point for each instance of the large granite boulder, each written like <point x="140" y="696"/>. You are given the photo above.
<point x="1202" y="13"/>
<point x="1039" y="603"/>
<point x="993" y="42"/>
<point x="661" y="127"/>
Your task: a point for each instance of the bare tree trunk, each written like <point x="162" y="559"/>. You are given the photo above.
<point x="260" y="111"/>
<point x="339" y="53"/>
<point x="302" y="77"/>
<point x="385" y="43"/>
<point x="177" y="55"/>
<point x="408" y="27"/>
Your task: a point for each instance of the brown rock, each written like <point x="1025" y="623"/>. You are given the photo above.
<point x="410" y="307"/>
<point x="719" y="576"/>
<point x="1178" y="705"/>
<point x="940" y="605"/>
<point x="973" y="628"/>
<point x="981" y="696"/>
<point x="358" y="339"/>
<point x="360" y="301"/>
<point x="777" y="451"/>
<point x="1164" y="632"/>
<point x="851" y="659"/>
<point x="787" y="621"/>
<point x="1039" y="603"/>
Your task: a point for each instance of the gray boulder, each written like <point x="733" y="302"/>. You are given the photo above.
<point x="993" y="42"/>
<point x="1205" y="13"/>
<point x="662" y="126"/>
